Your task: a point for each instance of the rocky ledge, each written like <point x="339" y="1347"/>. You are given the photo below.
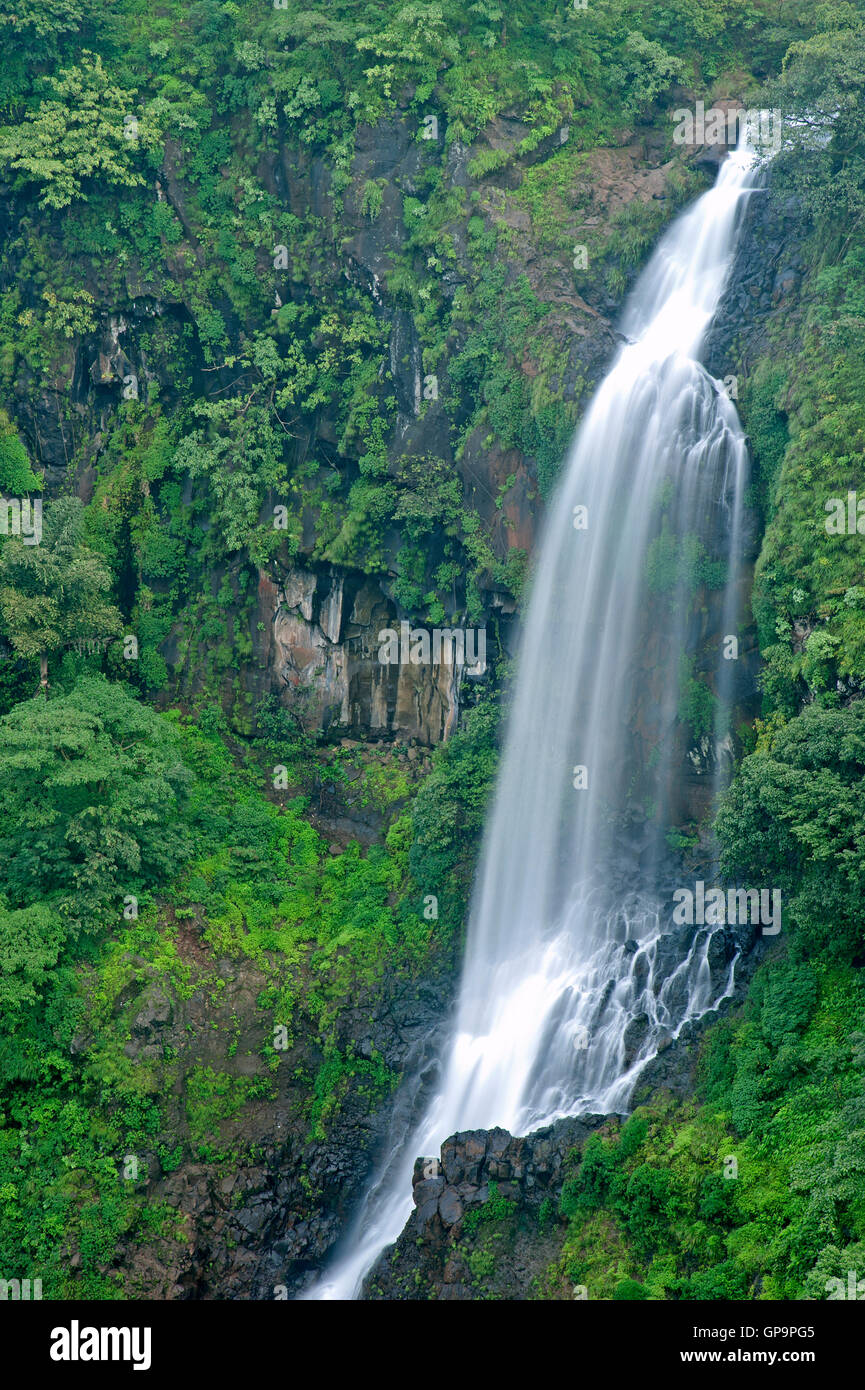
<point x="489" y="1179"/>
<point x="486" y="1221"/>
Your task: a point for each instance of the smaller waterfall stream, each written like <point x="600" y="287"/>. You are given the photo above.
<point x="574" y="973"/>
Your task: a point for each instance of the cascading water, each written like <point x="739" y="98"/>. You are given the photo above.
<point x="572" y="975"/>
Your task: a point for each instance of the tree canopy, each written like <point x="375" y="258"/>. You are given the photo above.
<point x="94" y="790"/>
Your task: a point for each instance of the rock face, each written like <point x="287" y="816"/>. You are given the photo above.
<point x="481" y="1173"/>
<point x="260" y="1227"/>
<point x="321" y="654"/>
<point x="322" y="622"/>
<point x="764" y="278"/>
<point x="324" y="659"/>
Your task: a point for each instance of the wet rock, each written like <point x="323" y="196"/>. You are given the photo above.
<point x="429" y="1190"/>
<point x="155" y="1013"/>
<point x="253" y="1218"/>
<point x="429" y="1257"/>
<point x="426" y="1213"/>
<point x="450" y="1207"/>
<point x="718" y="953"/>
<point x="635" y="1036"/>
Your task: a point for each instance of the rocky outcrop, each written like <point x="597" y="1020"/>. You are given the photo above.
<point x="261" y="1194"/>
<point x="764" y="279"/>
<point x="483" y="1178"/>
<point x="325" y="657"/>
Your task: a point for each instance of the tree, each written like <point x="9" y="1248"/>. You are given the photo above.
<point x="794" y="819"/>
<point x="34" y="34"/>
<point x="31" y="940"/>
<point x="85" y="127"/>
<point x="820" y="92"/>
<point x="94" y="787"/>
<point x="647" y="70"/>
<point x="55" y="593"/>
<point x="239" y="466"/>
<point x="32" y="22"/>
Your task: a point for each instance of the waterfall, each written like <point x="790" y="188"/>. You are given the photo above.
<point x="574" y="972"/>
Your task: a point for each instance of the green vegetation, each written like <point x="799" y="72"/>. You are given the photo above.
<point x="113" y="809"/>
<point x="199" y="383"/>
<point x="54" y="595"/>
<point x="753" y="1189"/>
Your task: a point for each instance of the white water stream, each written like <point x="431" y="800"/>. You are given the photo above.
<point x="574" y="973"/>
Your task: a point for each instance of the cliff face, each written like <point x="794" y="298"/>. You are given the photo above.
<point x="332" y="664"/>
<point x="322" y="654"/>
<point x="313" y="633"/>
<point x="260" y="1194"/>
<point x="486" y="1224"/>
<point x="315" y="629"/>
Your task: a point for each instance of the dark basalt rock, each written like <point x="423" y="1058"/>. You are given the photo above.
<point x="431" y="1259"/>
<point x="766" y="271"/>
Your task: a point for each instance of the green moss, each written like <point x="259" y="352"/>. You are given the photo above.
<point x="214" y="1097"/>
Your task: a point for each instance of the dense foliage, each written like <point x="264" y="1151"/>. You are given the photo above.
<point x="157" y="162"/>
